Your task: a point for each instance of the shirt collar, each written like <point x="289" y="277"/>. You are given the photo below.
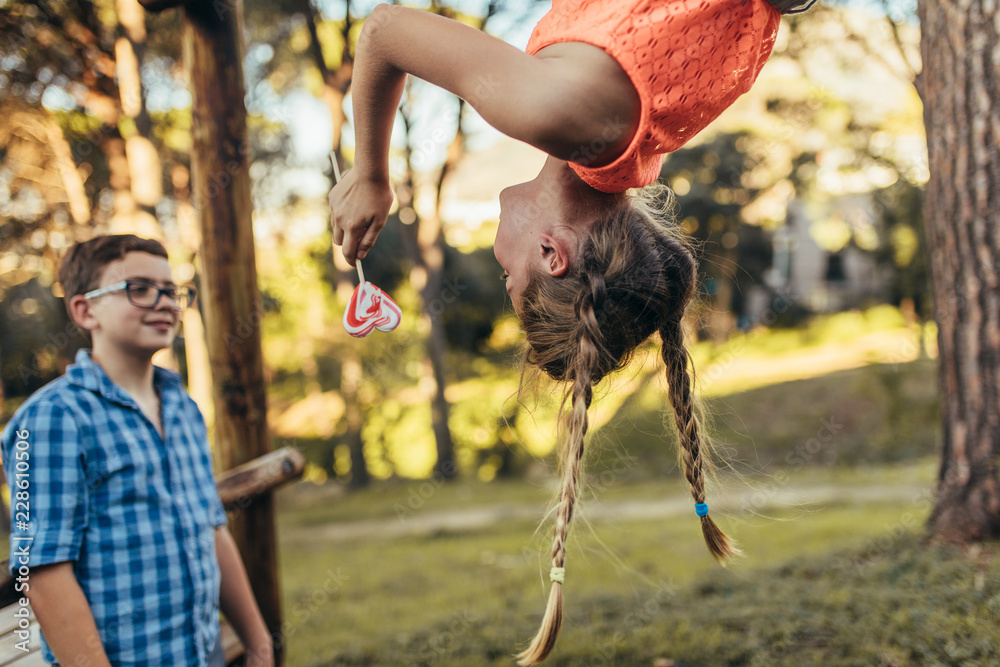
<point x="87" y="373"/>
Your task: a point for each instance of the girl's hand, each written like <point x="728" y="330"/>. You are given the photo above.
<point x="359" y="207"/>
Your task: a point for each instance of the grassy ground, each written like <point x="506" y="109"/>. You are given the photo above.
<point x="879" y="413"/>
<point x="834" y="458"/>
<point x="843" y="581"/>
<point x="836" y="473"/>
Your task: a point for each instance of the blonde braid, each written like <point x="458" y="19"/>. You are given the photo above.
<point x="634" y="277"/>
<point x="675" y="356"/>
<point x="588" y="356"/>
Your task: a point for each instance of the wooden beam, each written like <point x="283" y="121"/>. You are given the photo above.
<point x="213" y="53"/>
<point x="160" y="5"/>
<point x="238" y="487"/>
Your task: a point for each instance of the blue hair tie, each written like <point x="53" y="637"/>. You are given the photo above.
<point x="701" y="509"/>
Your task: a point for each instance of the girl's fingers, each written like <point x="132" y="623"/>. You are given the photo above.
<point x="368" y="240"/>
<point x="352" y="240"/>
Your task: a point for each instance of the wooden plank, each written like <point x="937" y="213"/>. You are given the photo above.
<point x="33" y="659"/>
<point x="10" y="654"/>
<point x="239" y="486"/>
<point x="231" y="645"/>
<point x="7" y="619"/>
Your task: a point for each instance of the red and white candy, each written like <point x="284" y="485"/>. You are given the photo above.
<point x="370" y="308"/>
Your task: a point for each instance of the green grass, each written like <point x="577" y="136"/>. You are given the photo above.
<point x="880" y="413"/>
<point x="843" y="582"/>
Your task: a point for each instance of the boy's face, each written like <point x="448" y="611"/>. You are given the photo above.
<point x="114" y="321"/>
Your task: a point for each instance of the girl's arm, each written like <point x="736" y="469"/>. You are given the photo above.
<point x="557" y="104"/>
<point x="554" y="104"/>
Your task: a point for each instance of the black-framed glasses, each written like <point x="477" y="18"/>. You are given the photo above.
<point x="144" y="294"/>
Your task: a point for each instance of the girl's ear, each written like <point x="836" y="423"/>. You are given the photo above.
<point x="555" y="254"/>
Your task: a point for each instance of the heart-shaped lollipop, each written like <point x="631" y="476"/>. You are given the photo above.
<point x="370" y="308"/>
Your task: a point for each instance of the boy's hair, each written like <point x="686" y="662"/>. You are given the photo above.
<point x="632" y="277"/>
<point x="80" y="270"/>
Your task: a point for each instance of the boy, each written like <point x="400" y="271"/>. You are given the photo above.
<point x="129" y="555"/>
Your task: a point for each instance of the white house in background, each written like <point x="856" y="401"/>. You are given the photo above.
<point x="815" y="266"/>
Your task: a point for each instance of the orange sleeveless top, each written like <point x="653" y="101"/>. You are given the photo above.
<point x="688" y="59"/>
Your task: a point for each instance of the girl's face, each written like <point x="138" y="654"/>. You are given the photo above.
<point x="522" y="215"/>
<point x="542" y="223"/>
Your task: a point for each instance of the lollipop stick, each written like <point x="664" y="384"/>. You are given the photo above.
<point x="336" y="167"/>
<point x="336" y="179"/>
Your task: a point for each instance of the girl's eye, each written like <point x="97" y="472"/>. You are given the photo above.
<point x="504" y="276"/>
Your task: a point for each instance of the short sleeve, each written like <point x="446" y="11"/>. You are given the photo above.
<point x="48" y="490"/>
<point x="218" y="514"/>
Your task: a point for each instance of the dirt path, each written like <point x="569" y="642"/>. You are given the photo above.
<point x="418" y="523"/>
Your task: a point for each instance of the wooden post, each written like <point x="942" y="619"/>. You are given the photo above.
<point x="213" y="54"/>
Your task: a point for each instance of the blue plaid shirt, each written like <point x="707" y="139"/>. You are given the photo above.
<point x="134" y="512"/>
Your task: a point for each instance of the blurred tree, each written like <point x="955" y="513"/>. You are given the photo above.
<point x="426" y="242"/>
<point x="334" y="84"/>
<point x="822" y="145"/>
<point x="428" y="253"/>
<point x="475" y="296"/>
<point x="710" y="179"/>
<point x="961" y="112"/>
<point x="94" y="153"/>
<point x="903" y="245"/>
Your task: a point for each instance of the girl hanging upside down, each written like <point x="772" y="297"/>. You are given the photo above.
<point x="606" y="88"/>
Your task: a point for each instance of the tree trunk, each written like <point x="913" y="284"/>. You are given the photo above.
<point x="3" y="412"/>
<point x="221" y="186"/>
<point x="430" y="242"/>
<point x="721" y="320"/>
<point x="336" y="82"/>
<point x="145" y="170"/>
<point x="351" y="374"/>
<point x="335" y="85"/>
<point x="426" y="243"/>
<point x="960" y="87"/>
